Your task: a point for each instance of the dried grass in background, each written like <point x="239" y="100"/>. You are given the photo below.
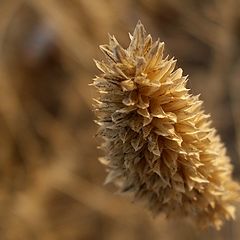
<point x="50" y="181"/>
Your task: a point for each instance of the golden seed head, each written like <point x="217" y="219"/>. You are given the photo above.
<point x="158" y="141"/>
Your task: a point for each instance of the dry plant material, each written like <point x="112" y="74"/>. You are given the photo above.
<point x="158" y="141"/>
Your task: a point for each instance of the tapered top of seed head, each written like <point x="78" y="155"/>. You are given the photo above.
<point x="158" y="142"/>
<point x="137" y="60"/>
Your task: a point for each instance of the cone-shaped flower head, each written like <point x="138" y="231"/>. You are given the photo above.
<point x="158" y="141"/>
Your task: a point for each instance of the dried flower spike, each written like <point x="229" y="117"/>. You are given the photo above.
<point x="158" y="141"/>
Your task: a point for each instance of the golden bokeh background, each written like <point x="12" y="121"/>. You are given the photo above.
<point x="51" y="184"/>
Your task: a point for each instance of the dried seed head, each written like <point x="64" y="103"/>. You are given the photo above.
<point x="158" y="141"/>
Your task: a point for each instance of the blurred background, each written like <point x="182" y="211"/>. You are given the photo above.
<point x="50" y="179"/>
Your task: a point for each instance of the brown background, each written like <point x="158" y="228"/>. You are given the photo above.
<point x="50" y="179"/>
